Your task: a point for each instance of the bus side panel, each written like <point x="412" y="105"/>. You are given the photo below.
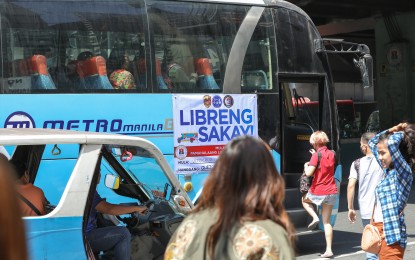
<point x="55" y="238"/>
<point x="148" y="116"/>
<point x="338" y="179"/>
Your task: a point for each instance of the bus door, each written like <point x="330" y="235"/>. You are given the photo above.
<point x="301" y="120"/>
<point x="307" y="109"/>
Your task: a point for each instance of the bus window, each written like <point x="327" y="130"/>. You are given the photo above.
<point x="305" y="98"/>
<point x="192" y="41"/>
<point x="260" y="62"/>
<point x="295" y="42"/>
<point x="60" y="35"/>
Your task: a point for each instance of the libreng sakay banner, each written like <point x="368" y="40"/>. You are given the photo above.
<point x="204" y="124"/>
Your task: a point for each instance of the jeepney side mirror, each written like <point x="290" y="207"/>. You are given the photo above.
<point x="365" y="65"/>
<point x="112" y="181"/>
<point x="167" y="191"/>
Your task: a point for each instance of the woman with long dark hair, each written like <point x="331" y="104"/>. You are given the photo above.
<point x="394" y="150"/>
<point x="241" y="213"/>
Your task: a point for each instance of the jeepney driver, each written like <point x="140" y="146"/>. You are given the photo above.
<point x="117" y="238"/>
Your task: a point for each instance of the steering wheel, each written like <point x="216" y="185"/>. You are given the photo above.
<point x="150" y="205"/>
<point x="136" y="218"/>
<point x="130" y="221"/>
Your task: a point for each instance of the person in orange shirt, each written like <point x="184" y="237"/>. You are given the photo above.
<point x="32" y="199"/>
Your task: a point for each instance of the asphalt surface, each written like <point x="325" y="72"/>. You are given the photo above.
<point x="346" y="236"/>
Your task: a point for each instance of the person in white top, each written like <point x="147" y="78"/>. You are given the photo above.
<point x="368" y="173"/>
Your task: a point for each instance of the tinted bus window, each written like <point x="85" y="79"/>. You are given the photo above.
<point x="302" y="116"/>
<point x="295" y="42"/>
<point x="192" y="43"/>
<point x="70" y="46"/>
<point x="260" y="63"/>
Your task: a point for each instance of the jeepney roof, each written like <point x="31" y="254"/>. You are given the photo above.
<point x="34" y="136"/>
<point x="40" y="136"/>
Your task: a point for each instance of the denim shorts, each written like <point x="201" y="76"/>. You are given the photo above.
<point x="319" y="199"/>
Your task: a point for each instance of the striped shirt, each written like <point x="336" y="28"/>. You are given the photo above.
<point x="393" y="190"/>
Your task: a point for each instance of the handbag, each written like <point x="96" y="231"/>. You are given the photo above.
<point x="305" y="183"/>
<point x="371" y="239"/>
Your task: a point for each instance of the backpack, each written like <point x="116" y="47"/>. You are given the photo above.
<point x="305" y="182"/>
<point x="357" y="167"/>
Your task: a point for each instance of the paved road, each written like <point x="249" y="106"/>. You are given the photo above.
<point x="346" y="236"/>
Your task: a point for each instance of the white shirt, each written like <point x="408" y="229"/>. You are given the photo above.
<point x="370" y="174"/>
<point x="378" y="216"/>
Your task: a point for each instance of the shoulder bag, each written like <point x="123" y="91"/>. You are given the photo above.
<point x="305" y="182"/>
<point x="371" y="239"/>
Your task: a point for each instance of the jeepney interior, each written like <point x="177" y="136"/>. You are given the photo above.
<point x="129" y="175"/>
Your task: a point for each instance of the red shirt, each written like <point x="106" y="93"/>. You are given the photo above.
<point x="323" y="181"/>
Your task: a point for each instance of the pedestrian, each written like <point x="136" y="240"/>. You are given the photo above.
<point x="394" y="151"/>
<point x="368" y="173"/>
<point x="323" y="190"/>
<point x="12" y="234"/>
<point x="240" y="214"/>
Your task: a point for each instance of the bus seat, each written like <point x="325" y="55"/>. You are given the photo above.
<point x="39" y="73"/>
<point x="93" y="73"/>
<point x="159" y="76"/>
<point x="205" y="75"/>
<point x="20" y="68"/>
<point x="141" y="72"/>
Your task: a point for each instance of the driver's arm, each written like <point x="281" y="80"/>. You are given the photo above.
<point x="115" y="209"/>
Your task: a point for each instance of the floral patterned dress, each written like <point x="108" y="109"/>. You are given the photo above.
<point x="251" y="240"/>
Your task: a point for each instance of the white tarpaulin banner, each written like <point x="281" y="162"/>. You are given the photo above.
<point x="204" y="124"/>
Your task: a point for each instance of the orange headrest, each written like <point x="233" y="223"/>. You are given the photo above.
<point x="203" y="66"/>
<point x="92" y="66"/>
<point x="37" y="64"/>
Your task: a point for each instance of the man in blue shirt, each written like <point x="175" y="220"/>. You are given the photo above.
<point x="117" y="238"/>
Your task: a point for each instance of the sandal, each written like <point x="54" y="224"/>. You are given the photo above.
<point x="325" y="255"/>
<point x="313" y="225"/>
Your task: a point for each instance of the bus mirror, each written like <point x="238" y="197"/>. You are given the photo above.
<point x="112" y="181"/>
<point x="365" y="65"/>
